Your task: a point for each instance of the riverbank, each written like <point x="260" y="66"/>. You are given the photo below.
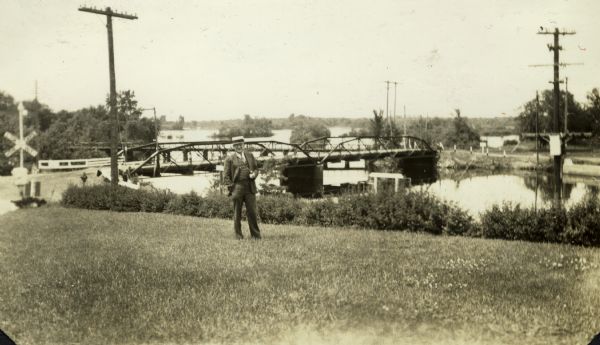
<point x="466" y="160"/>
<point x="577" y="164"/>
<point x="77" y="276"/>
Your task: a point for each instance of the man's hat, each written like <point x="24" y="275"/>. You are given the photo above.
<point x="238" y="139"/>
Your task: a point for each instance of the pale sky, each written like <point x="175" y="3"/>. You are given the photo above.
<point x="221" y="59"/>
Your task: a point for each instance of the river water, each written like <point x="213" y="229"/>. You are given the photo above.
<point x="474" y="192"/>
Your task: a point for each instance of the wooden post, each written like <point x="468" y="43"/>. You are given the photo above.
<point x="114" y="172"/>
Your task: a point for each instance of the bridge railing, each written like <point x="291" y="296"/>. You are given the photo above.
<point x="324" y="147"/>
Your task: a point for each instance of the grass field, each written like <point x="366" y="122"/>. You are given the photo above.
<point x="92" y="277"/>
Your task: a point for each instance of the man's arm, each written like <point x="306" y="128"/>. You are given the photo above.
<point x="252" y="164"/>
<point x="227" y="173"/>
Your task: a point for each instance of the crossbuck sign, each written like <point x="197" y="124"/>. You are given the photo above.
<point x="20" y="142"/>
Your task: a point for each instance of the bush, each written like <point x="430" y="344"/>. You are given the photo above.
<point x="317" y="212"/>
<point x="89" y="197"/>
<point x="459" y="222"/>
<point x="187" y="204"/>
<point x="216" y="205"/>
<point x="277" y="209"/>
<point x="510" y="221"/>
<point x="155" y="200"/>
<point x="584" y="223"/>
<point x="551" y="224"/>
<point x="107" y="197"/>
<point x="408" y="210"/>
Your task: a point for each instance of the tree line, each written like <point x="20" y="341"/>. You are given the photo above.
<point x="65" y="134"/>
<point x="581" y="117"/>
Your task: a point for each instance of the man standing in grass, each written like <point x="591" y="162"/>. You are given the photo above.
<point x="239" y="174"/>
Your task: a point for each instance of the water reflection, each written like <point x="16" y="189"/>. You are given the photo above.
<point x="478" y="191"/>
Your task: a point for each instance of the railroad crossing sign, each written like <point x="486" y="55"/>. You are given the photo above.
<point x="20" y="142"/>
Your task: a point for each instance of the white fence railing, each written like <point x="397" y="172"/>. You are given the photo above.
<point x="62" y="164"/>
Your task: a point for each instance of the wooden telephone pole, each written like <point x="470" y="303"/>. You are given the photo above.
<point x="114" y="172"/>
<point x="556" y="101"/>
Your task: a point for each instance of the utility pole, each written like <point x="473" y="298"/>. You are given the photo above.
<point x="556" y="126"/>
<point x="405" y="120"/>
<point x="566" y="104"/>
<point x="387" y="103"/>
<point x="114" y="172"/>
<point x="36" y="91"/>
<point x="537" y="133"/>
<point x="395" y="94"/>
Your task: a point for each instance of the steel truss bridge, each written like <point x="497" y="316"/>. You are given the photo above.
<point x="187" y="157"/>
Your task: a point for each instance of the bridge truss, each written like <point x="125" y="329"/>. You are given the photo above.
<point x="186" y="157"/>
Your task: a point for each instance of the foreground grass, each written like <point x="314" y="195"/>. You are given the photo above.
<point x="76" y="276"/>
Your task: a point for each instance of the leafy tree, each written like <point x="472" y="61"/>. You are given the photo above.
<point x="250" y="128"/>
<point x="65" y="135"/>
<point x="305" y="129"/>
<point x="180" y="123"/>
<point x="256" y="127"/>
<point x="127" y="106"/>
<point x="132" y="127"/>
<point x="578" y="120"/>
<point x="39" y="116"/>
<point x="592" y="110"/>
<point x="9" y="122"/>
<point x="462" y="134"/>
<point x="376" y="127"/>
<point x="377" y="124"/>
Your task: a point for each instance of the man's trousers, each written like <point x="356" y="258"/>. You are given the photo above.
<point x="250" y="200"/>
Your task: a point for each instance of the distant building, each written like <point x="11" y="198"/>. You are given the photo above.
<point x="497" y="141"/>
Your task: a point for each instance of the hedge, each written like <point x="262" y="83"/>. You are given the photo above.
<point x="408" y="210"/>
<point x="413" y="211"/>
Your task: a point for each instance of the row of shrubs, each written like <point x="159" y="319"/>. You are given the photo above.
<point x="406" y="211"/>
<point x="412" y="210"/>
<point x="580" y="224"/>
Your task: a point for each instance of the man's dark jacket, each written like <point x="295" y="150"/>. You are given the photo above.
<point x="231" y="173"/>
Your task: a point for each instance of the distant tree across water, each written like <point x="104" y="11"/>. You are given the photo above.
<point x="249" y="128"/>
<point x="305" y="128"/>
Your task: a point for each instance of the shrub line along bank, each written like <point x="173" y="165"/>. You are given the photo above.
<point x="417" y="211"/>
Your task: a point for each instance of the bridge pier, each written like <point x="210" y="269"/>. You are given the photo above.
<point x="304" y="179"/>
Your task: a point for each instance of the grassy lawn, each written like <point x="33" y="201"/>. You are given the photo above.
<point x="92" y="277"/>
